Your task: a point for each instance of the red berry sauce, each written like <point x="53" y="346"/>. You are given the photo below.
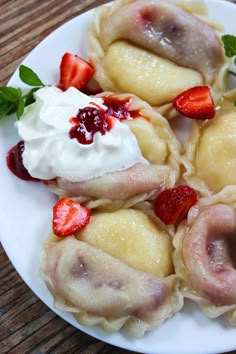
<point x="89" y="121"/>
<point x="15" y="162"/>
<point x="119" y="108"/>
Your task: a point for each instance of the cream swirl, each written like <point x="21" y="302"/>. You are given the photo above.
<point x="50" y="152"/>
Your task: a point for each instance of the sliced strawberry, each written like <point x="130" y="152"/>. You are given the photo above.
<point x="195" y="103"/>
<point x="172" y="205"/>
<point x="74" y="71"/>
<point x="69" y="217"/>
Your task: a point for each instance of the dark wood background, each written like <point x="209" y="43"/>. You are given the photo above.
<point x="26" y="324"/>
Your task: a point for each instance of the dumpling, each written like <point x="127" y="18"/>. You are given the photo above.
<point x="138" y="179"/>
<point x="215" y="159"/>
<point x="210" y="153"/>
<point x="205" y="257"/>
<point x="104" y="147"/>
<point x="158" y="145"/>
<point x="156" y="139"/>
<point x="158" y="83"/>
<point x="154" y="49"/>
<point x="130" y="236"/>
<point x="100" y="289"/>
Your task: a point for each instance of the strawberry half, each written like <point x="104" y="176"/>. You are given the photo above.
<point x="172" y="205"/>
<point x="74" y="71"/>
<point x="69" y="217"/>
<point x="195" y="103"/>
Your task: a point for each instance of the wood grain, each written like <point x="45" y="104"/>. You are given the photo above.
<point x="26" y="324"/>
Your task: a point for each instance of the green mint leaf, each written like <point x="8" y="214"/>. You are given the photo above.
<point x="29" y="97"/>
<point x="20" y="107"/>
<point x="29" y="77"/>
<point x="7" y="108"/>
<point x="12" y="99"/>
<point x="9" y="100"/>
<point x="229" y="42"/>
<point x="232" y="72"/>
<point x="13" y="109"/>
<point x="9" y="94"/>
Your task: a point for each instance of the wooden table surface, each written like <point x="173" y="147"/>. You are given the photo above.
<point x="26" y="324"/>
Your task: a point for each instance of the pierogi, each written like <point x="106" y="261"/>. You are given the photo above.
<point x="130" y="236"/>
<point x="159" y="147"/>
<point x="124" y="63"/>
<point x="204" y="255"/>
<point x="209" y="158"/>
<point x="155" y="49"/>
<point x="115" y="272"/>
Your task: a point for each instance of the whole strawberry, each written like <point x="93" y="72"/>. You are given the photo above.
<point x="172" y="205"/>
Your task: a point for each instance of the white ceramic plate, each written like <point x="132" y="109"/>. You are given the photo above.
<point x="25" y="213"/>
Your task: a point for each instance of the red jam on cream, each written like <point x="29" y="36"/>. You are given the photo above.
<point x="88" y="122"/>
<point x="53" y="149"/>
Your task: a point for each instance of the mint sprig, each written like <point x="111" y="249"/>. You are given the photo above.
<point x="29" y="77"/>
<point x="229" y="42"/>
<point x="12" y="100"/>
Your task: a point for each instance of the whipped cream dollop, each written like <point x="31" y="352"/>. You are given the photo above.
<point x="50" y="152"/>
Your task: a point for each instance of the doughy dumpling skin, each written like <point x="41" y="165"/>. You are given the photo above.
<point x="125" y="184"/>
<point x="158" y="83"/>
<point x="154" y="148"/>
<point x="210" y="152"/>
<point x="205" y="258"/>
<point x="158" y="145"/>
<point x="99" y="289"/>
<point x="155" y="49"/>
<point x="130" y="236"/>
<point x="216" y="154"/>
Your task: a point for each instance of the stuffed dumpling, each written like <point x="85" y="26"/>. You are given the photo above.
<point x="154" y="49"/>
